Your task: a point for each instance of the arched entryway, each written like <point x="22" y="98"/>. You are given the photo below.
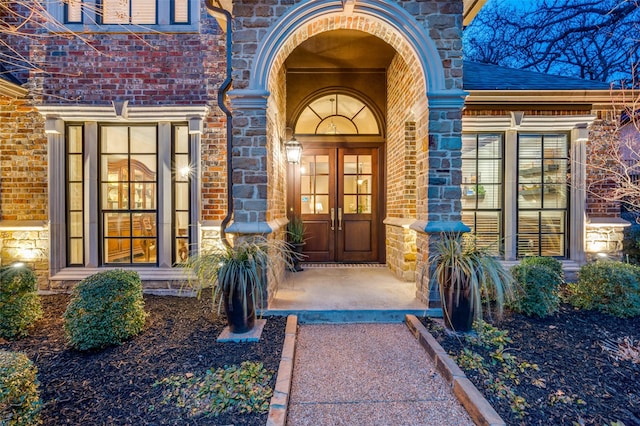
<point x="331" y="44"/>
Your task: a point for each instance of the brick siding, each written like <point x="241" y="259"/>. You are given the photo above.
<point x="23" y="157"/>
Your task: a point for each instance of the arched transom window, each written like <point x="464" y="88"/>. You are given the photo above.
<point x="337" y="114"/>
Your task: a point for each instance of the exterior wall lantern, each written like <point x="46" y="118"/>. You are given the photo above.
<point x="294" y="151"/>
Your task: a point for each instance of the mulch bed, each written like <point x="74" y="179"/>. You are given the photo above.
<point x="115" y="386"/>
<point x="572" y="365"/>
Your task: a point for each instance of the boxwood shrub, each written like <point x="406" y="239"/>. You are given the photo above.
<point x="539" y="280"/>
<point x="20" y="402"/>
<point x="19" y="302"/>
<point x="105" y="309"/>
<point x="550" y="262"/>
<point x="608" y="286"/>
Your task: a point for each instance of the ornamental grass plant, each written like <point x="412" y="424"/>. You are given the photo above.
<point x="462" y="270"/>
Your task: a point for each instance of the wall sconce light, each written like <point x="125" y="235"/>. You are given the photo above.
<point x="293" y="149"/>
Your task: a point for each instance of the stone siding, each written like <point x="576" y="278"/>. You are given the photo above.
<point x="604" y="240"/>
<point x="442" y="21"/>
<point x="401" y="252"/>
<point x="28" y="246"/>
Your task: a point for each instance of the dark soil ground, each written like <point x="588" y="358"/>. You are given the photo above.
<point x="115" y="386"/>
<point x="578" y="381"/>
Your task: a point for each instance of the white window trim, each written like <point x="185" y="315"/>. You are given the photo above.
<point x="163" y="23"/>
<point x="576" y="126"/>
<point x="163" y="116"/>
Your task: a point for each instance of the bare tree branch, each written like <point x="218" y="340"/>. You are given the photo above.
<point x="590" y="39"/>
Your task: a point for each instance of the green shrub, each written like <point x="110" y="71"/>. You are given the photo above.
<point x="537" y="293"/>
<point x="19" y="302"/>
<point x="242" y="389"/>
<point x="549" y="262"/>
<point x="608" y="286"/>
<point x="105" y="309"/>
<point x="631" y="244"/>
<point x="19" y="398"/>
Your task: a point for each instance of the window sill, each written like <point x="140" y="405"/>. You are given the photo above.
<point x="146" y="273"/>
<point x="129" y="28"/>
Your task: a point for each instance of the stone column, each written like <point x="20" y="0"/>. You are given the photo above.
<point x="439" y="179"/>
<point x="249" y="164"/>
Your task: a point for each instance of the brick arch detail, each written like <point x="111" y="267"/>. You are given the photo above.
<point x="379" y="18"/>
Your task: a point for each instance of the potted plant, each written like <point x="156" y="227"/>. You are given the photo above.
<point x="466" y="275"/>
<point x="295" y="236"/>
<point x="237" y="276"/>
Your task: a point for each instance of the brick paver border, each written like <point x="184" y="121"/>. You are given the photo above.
<point x="481" y="412"/>
<point x="280" y="400"/>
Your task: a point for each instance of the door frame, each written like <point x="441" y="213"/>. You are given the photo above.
<point x="336" y="142"/>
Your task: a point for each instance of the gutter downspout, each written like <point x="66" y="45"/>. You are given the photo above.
<point x="222" y="92"/>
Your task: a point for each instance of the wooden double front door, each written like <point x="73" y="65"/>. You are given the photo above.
<point x="336" y="193"/>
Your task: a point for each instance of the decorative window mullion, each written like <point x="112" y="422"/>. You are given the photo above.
<point x="165" y="215"/>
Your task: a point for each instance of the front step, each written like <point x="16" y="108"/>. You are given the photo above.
<point x="353" y="315"/>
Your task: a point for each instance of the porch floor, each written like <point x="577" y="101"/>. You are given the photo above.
<point x="346" y="293"/>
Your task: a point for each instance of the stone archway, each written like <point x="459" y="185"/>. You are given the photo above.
<point x="429" y="46"/>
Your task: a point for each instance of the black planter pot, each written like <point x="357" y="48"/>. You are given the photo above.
<point x="297" y="249"/>
<point x="457" y="309"/>
<point x="459" y="312"/>
<point x="239" y="320"/>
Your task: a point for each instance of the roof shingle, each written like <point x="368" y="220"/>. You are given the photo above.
<point x="479" y="76"/>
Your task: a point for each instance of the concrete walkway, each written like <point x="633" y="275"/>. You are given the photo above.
<point x="368" y="374"/>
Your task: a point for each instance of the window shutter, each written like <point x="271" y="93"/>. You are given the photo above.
<point x="143" y="12"/>
<point x="181" y="11"/>
<point x="74" y="11"/>
<point x="129" y="11"/>
<point x="115" y="11"/>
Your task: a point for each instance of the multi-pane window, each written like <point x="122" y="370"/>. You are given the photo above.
<point x="75" y="198"/>
<point x="140" y="12"/>
<point x="314" y="184"/>
<point x="482" y="188"/>
<point x="128" y="194"/>
<point x="183" y="171"/>
<point x="121" y="223"/>
<point x="542" y="195"/>
<point x="358" y="184"/>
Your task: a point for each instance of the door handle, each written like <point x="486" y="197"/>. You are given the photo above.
<point x="333" y="218"/>
<point x="339" y="218"/>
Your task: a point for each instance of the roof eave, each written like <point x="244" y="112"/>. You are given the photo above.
<point x="492" y="97"/>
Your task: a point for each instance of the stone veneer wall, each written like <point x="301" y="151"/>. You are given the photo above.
<point x="30" y="246"/>
<point x="442" y="20"/>
<point x="438" y="131"/>
<point x="604" y="239"/>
